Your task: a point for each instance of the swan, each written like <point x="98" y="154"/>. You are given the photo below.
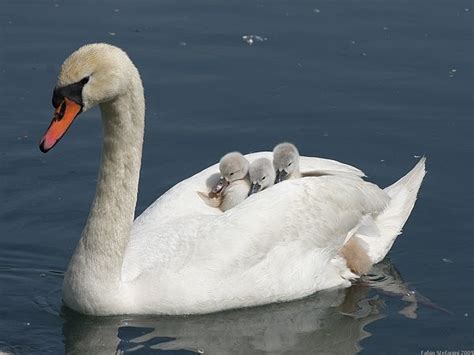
<point x="181" y="256"/>
<point x="261" y="174"/>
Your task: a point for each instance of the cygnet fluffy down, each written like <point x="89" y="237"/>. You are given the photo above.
<point x="233" y="186"/>
<point x="261" y="175"/>
<point x="286" y="161"/>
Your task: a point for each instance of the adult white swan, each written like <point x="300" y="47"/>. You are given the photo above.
<point x="181" y="256"/>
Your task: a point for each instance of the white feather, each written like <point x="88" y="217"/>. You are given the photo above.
<point x="385" y="227"/>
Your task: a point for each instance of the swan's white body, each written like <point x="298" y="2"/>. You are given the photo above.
<point x="182" y="256"/>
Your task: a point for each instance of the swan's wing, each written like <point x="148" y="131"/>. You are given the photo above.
<point x="311" y="165"/>
<point x="310" y="213"/>
<point x="319" y="212"/>
<point x="317" y="173"/>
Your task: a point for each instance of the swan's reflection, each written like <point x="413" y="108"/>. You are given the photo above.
<point x="330" y="322"/>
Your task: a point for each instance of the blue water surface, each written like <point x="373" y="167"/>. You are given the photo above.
<point x="376" y="84"/>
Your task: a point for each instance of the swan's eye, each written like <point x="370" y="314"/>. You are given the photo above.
<point x="84" y="81"/>
<point x="263" y="178"/>
<point x="231" y="174"/>
<point x="289" y="164"/>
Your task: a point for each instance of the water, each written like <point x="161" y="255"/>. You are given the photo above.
<point x="371" y="83"/>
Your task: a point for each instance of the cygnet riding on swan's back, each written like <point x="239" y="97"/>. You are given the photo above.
<point x="261" y="175"/>
<point x="286" y="161"/>
<point x="181" y="256"/>
<point x="234" y="185"/>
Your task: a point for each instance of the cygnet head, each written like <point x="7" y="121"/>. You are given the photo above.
<point x="93" y="74"/>
<point x="233" y="166"/>
<point x="262" y="175"/>
<point x="286" y="161"/>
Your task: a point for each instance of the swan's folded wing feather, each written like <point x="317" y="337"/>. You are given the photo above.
<point x="332" y="167"/>
<point x="318" y="173"/>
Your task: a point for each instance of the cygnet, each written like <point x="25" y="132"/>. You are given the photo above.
<point x="261" y="174"/>
<point x="233" y="186"/>
<point x="286" y="161"/>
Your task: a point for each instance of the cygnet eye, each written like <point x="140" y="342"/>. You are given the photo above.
<point x="290" y="163"/>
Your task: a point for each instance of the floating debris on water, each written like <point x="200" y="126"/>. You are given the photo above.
<point x="250" y="39"/>
<point x="116" y="10"/>
<point x="183" y="44"/>
<point x="466" y="314"/>
<point x="466" y="10"/>
<point x="382" y="160"/>
<point x="385" y="28"/>
<point x="353" y="42"/>
<point x="112" y="33"/>
<point x="446" y="260"/>
<point x="417" y="156"/>
<point x="316" y="11"/>
<point x="364" y="54"/>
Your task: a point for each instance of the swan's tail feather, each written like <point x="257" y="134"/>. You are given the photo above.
<point x="390" y="222"/>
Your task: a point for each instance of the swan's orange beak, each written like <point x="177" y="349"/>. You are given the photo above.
<point x="65" y="113"/>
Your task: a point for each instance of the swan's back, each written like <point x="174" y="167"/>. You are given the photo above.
<point x="180" y="223"/>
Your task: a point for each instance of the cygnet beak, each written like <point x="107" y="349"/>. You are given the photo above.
<point x="280" y="175"/>
<point x="220" y="186"/>
<point x="254" y="188"/>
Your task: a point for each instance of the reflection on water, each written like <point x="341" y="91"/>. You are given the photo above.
<point x="311" y="324"/>
<point x="328" y="322"/>
<point x="386" y="279"/>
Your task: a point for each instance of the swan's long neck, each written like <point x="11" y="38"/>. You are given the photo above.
<point x="98" y="256"/>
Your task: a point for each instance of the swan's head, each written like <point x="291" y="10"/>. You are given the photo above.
<point x="262" y="175"/>
<point x="286" y="161"/>
<point x="93" y="74"/>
